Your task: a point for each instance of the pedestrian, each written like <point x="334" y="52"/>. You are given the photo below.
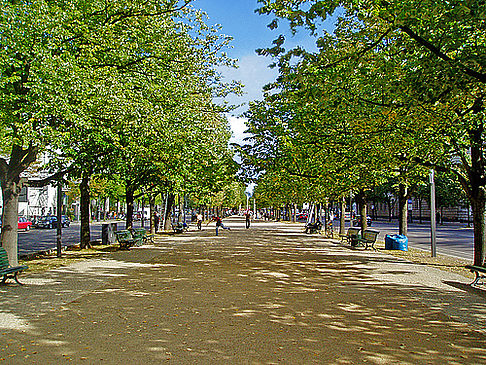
<point x="199" y="218"/>
<point x="247" y="219"/>
<point x="156" y="221"/>
<point x="219" y="223"/>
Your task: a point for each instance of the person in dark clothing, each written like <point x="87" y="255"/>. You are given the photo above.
<point x="247" y="219"/>
<point x="219" y="223"/>
<point x="156" y="222"/>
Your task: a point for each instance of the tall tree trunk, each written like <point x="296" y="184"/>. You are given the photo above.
<point x="403" y="209"/>
<point x="390" y="207"/>
<point x="180" y="205"/>
<point x="19" y="160"/>
<point x="142" y="219"/>
<point x="475" y="189"/>
<point x="342" y="218"/>
<point x="152" y="213"/>
<point x="479" y="227"/>
<point x="85" y="214"/>
<point x="420" y="209"/>
<point x="363" y="207"/>
<point x="129" y="199"/>
<point x="9" y="237"/>
<point x="168" y="208"/>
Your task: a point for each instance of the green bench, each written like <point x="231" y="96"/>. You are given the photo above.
<point x="350" y="235"/>
<point x="367" y="239"/>
<point x="9" y="272"/>
<point x="478" y="270"/>
<point x="142" y="235"/>
<point x="178" y="227"/>
<point x="126" y="239"/>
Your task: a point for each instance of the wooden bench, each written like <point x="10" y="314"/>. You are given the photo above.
<point x="367" y="239"/>
<point x="142" y="235"/>
<point x="477" y="270"/>
<point x="126" y="239"/>
<point x="351" y="234"/>
<point x="9" y="271"/>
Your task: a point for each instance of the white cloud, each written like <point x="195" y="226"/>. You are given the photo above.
<point x="253" y="72"/>
<point x="238" y="128"/>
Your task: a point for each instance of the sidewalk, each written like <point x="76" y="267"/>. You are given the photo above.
<point x="269" y="294"/>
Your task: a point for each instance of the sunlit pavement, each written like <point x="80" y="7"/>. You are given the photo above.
<point x="266" y="295"/>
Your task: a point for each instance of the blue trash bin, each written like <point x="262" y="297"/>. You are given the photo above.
<point x="396" y="242"/>
<point x="400" y="243"/>
<point x="389" y="242"/>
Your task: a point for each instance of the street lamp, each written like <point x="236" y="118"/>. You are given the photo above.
<point x="248" y="194"/>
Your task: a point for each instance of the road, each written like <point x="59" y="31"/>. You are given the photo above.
<point x="38" y="240"/>
<point x="453" y="239"/>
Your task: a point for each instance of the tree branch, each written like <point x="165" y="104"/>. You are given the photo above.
<point x="481" y="77"/>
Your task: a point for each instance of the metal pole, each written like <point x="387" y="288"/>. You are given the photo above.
<point x="59" y="218"/>
<point x="433" y="234"/>
<point x="350" y="209"/>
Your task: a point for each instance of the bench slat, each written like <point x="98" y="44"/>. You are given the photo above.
<point x="11" y="270"/>
<point x="476" y="268"/>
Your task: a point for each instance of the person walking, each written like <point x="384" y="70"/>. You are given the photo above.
<point x="247" y="219"/>
<point x="219" y="223"/>
<point x="156" y="221"/>
<point x="199" y="218"/>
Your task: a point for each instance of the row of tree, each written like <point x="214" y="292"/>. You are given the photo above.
<point x="119" y="89"/>
<point x="395" y="90"/>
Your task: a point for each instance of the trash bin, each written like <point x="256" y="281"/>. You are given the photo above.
<point x="108" y="233"/>
<point x="396" y="242"/>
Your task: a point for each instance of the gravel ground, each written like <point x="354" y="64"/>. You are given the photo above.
<point x="266" y="295"/>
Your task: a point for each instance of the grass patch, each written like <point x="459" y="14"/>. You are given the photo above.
<point x="421" y="257"/>
<point x="45" y="262"/>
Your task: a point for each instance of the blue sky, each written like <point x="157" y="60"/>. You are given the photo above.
<point x="239" y="20"/>
<point x="250" y="32"/>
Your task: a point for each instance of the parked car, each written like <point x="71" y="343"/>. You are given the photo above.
<point x="24" y="223"/>
<point x="65" y="221"/>
<point x="51" y="222"/>
<point x="357" y="221"/>
<point x="302" y="216"/>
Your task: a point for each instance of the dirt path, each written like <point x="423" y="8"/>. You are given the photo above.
<point x="260" y="296"/>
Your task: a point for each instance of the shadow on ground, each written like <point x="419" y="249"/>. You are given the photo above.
<point x="265" y="295"/>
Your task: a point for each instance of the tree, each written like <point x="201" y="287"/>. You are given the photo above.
<point x="32" y="67"/>
<point x="427" y="59"/>
<point x="142" y="80"/>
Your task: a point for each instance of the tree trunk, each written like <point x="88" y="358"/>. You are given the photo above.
<point x="129" y="198"/>
<point x="85" y="216"/>
<point x="420" y="210"/>
<point x="168" y="209"/>
<point x="9" y="236"/>
<point x="479" y="224"/>
<point x="342" y="218"/>
<point x="142" y="219"/>
<point x="152" y="213"/>
<point x="403" y="211"/>
<point x="362" y="206"/>
<point x="19" y="160"/>
<point x="179" y="203"/>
